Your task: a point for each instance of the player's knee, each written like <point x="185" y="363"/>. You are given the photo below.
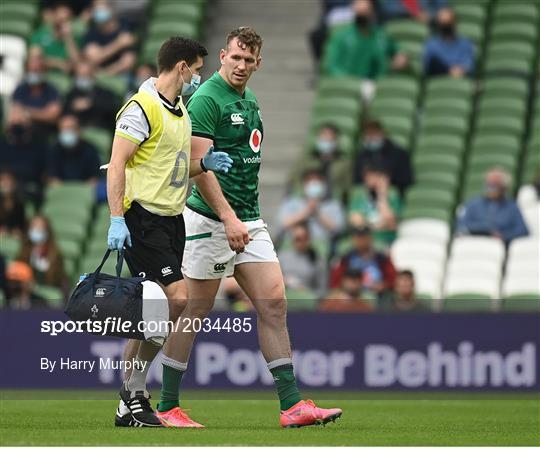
<point x="275" y="309"/>
<point x="199" y="308"/>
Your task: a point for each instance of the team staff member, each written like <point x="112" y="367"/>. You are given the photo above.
<point x="226" y="235"/>
<point x="147" y="182"/>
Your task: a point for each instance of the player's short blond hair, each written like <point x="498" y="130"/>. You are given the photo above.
<point x="247" y="36"/>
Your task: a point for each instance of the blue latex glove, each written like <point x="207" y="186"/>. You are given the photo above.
<point x="217" y="161"/>
<point x="118" y="234"/>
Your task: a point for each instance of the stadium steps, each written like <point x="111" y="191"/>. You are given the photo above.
<point x="285" y="69"/>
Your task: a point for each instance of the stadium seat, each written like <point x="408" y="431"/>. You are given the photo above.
<point x="25" y="11"/>
<point x="407" y="30"/>
<point x="515" y="30"/>
<point x="515" y="12"/>
<point x="510" y="65"/>
<point x="506" y="86"/>
<point x="425" y="161"/>
<point x="450" y="124"/>
<point x="161" y="29"/>
<point x="492" y="125"/>
<point x="478" y="248"/>
<point x="440" y="143"/>
<point x="384" y="105"/>
<point x="397" y="86"/>
<point x="53" y="295"/>
<point x="524" y="51"/>
<point x="531" y="215"/>
<point x="437" y="179"/>
<point x="101" y="139"/>
<point x="522" y="302"/>
<point x="474" y="31"/>
<point x="491" y="142"/>
<point x="468" y="286"/>
<point x="520" y="285"/>
<point x="419" y="197"/>
<point x="502" y="106"/>
<point x="446" y="87"/>
<point x="456" y="107"/>
<point x="186" y="12"/>
<point x="409" y="248"/>
<point x="300" y="299"/>
<point x="346" y="87"/>
<point x="16" y="27"/>
<point x="470" y="13"/>
<point x="526" y="196"/>
<point x="10" y="246"/>
<point x="425" y="228"/>
<point x="424" y="212"/>
<point x="117" y="84"/>
<point x="12" y="46"/>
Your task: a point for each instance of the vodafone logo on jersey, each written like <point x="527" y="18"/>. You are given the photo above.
<point x="255" y="140"/>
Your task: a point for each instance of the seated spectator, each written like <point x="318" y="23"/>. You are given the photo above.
<point x="378" y="272"/>
<point x="421" y="10"/>
<point x="20" y="285"/>
<point x="377" y="205"/>
<point x="302" y="267"/>
<point x="403" y="298"/>
<point x="23" y="154"/>
<point x="38" y="98"/>
<point x="142" y="73"/>
<point x="334" y="165"/>
<point x="72" y="159"/>
<point x="92" y="104"/>
<point x="448" y="53"/>
<point x="324" y="215"/>
<point x="494" y="213"/>
<point x="348" y="296"/>
<point x="235" y="296"/>
<point x="40" y="251"/>
<point x="378" y="150"/>
<point x="362" y="49"/>
<point x="56" y="40"/>
<point x="108" y="44"/>
<point x="12" y="215"/>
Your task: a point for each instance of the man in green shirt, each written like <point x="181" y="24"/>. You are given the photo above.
<point x="225" y="235"/>
<point x="361" y="49"/>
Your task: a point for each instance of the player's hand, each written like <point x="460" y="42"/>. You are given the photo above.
<point x="118" y="234"/>
<point x="237" y="234"/>
<point x="217" y="161"/>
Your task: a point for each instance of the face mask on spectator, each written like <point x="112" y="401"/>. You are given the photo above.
<point x="193" y="85"/>
<point x="37" y="236"/>
<point x="84" y="83"/>
<point x="101" y="15"/>
<point x="68" y="138"/>
<point x="326" y="146"/>
<point x="315" y="190"/>
<point x="447" y="29"/>
<point x="492" y="189"/>
<point x="34" y="78"/>
<point x="362" y="21"/>
<point x="373" y="144"/>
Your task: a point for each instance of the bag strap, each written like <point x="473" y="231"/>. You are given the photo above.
<point x="119" y="265"/>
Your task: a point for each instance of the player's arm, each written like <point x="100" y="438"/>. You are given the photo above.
<point x="122" y="151"/>
<point x="217" y="161"/>
<point x="210" y="189"/>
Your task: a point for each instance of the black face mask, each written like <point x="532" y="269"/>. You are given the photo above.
<point x="362" y="21"/>
<point x="447" y="29"/>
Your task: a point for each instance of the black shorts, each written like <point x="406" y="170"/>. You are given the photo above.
<point x="157" y="245"/>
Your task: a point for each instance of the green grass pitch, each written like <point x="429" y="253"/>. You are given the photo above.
<point x="248" y="418"/>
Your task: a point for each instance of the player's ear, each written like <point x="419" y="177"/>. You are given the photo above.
<point x="259" y="62"/>
<point x="222" y="53"/>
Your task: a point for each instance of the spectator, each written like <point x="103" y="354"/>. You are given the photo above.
<point x="303" y="268"/>
<point x="23" y="155"/>
<point x="376" y="205"/>
<point x="421" y="10"/>
<point x="493" y="214"/>
<point x="235" y="296"/>
<point x="362" y="49"/>
<point x="41" y="252"/>
<point x="348" y="297"/>
<point x="331" y="160"/>
<point x="379" y="151"/>
<point x="133" y="13"/>
<point x="142" y="73"/>
<point x="92" y="104"/>
<point x="108" y="44"/>
<point x="20" y="280"/>
<point x="72" y="159"/>
<point x="37" y="97"/>
<point x="56" y="40"/>
<point x="378" y="272"/>
<point x="12" y="218"/>
<point x="448" y="53"/>
<point x="403" y="298"/>
<point x="324" y="215"/>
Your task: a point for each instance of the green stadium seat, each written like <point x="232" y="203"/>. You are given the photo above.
<point x="339" y="106"/>
<point x="447" y="87"/>
<point x="75" y="231"/>
<point x="502" y="107"/>
<point x="435" y="106"/>
<point x="433" y="179"/>
<point x="440" y="143"/>
<point x="101" y="139"/>
<point x="301" y="299"/>
<point x="492" y="141"/>
<point x="185" y="12"/>
<point x="474" y="31"/>
<point x="73" y="192"/>
<point x="407" y="30"/>
<point x="449" y="162"/>
<point x="514" y="65"/>
<point x="414" y="51"/>
<point x="515" y="11"/>
<point x="10" y="246"/>
<point x="117" y="84"/>
<point x="467" y="302"/>
<point x="346" y="125"/>
<point x="511" y="126"/>
<point x="161" y="29"/>
<point x="10" y="10"/>
<point x="423" y="212"/>
<point x="505" y="87"/>
<point x="470" y="13"/>
<point x="397" y="86"/>
<point x="450" y="124"/>
<point x="522" y="303"/>
<point x="514" y="49"/>
<point x="418" y="198"/>
<point x="69" y="248"/>
<point x="482" y="162"/>
<point x="16" y="27"/>
<point x="60" y="81"/>
<point x="397" y="125"/>
<point x="392" y="106"/>
<point x="53" y="295"/>
<point x="516" y="30"/>
<point x="345" y="87"/>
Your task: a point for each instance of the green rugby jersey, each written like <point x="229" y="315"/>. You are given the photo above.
<point x="233" y="122"/>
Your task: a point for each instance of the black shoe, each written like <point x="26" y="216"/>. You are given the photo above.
<point x="124" y="420"/>
<point x="138" y="403"/>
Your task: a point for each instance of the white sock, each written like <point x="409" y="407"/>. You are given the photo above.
<point x="122" y="408"/>
<point x="137" y="380"/>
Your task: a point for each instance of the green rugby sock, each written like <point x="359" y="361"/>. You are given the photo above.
<point x="285" y="383"/>
<point x="169" y="397"/>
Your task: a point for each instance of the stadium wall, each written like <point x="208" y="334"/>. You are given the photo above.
<point x="332" y="351"/>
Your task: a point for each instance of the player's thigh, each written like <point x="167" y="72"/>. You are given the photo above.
<point x="202" y="293"/>
<point x="261" y="280"/>
<point x="177" y="295"/>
